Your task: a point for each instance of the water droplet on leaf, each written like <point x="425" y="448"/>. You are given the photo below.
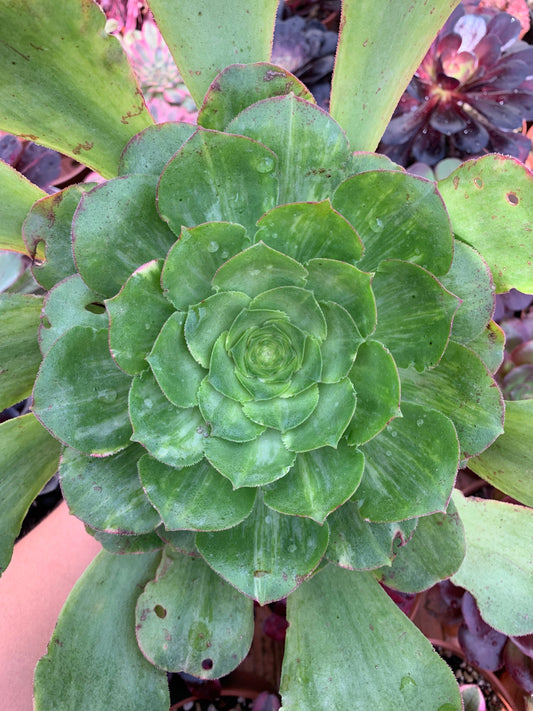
<point x="212" y="247"/>
<point x="265" y="165"/>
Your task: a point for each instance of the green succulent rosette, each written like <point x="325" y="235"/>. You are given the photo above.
<point x="260" y="351"/>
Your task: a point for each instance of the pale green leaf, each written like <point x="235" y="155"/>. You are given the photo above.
<point x="148" y="152"/>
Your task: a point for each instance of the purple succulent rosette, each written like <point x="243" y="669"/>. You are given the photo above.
<point x="469" y="96"/>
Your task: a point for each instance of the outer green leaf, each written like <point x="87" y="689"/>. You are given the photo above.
<point x="105" y="492"/>
<point x="361" y="161"/>
<point x="268" y="555"/>
<point x="136" y="316"/>
<point x="489" y="346"/>
<point x="12" y="267"/>
<point x="148" y="152"/>
<point x="374" y="66"/>
<point x="87" y="413"/>
<point x="312" y="149"/>
<point x="258" y="269"/>
<point x="339" y="349"/>
<point x="307" y="230"/>
<point x="318" y="482"/>
<point x="184" y="497"/>
<point x="423" y="561"/>
<point x="28" y="459"/>
<point x="61" y="56"/>
<point x="300" y="306"/>
<point x="103" y="666"/>
<point x="347" y="286"/>
<point x="172" y="434"/>
<point x="327" y="422"/>
<point x="348" y="640"/>
<point x="19" y="346"/>
<point x="415" y="313"/>
<point x="240" y="85"/>
<point x="193" y="261"/>
<point x="410" y="466"/>
<point x="498" y="566"/>
<point x="232" y="178"/>
<point x="463" y="389"/>
<point x="283" y="413"/>
<point x="208" y="319"/>
<point x="180" y="541"/>
<point x="175" y="370"/>
<point x="122" y="544"/>
<point x="216" y="36"/>
<point x="261" y="461"/>
<point x="109" y="244"/>
<point x="361" y="545"/>
<point x="377" y="386"/>
<point x="470" y="279"/>
<point x="507" y="464"/>
<point x="488" y="196"/>
<point x="70" y="303"/>
<point x="225" y="416"/>
<point x="22" y="195"/>
<point x="398" y="216"/>
<point x="47" y="230"/>
<point x="190" y="620"/>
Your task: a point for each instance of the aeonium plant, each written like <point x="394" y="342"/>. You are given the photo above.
<point x="260" y="359"/>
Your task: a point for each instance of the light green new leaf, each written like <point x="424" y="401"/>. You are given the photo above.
<point x="19" y="346"/>
<point x="28" y="459"/>
<point x="85" y="101"/>
<point x="188" y="619"/>
<point x="492" y="196"/>
<point x="378" y="53"/>
<point x="498" y="566"/>
<point x="508" y="464"/>
<point x="93" y="659"/>
<point x="354" y="644"/>
<point x="217" y="34"/>
<point x="13" y="211"/>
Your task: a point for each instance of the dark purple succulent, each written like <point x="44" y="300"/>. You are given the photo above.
<point x="39" y="164"/>
<point x="469" y="96"/>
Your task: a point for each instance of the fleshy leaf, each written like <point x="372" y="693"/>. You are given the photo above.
<point x="175" y="370"/>
<point x="62" y="56"/>
<point x="28" y="459"/>
<point x="70" y="303"/>
<point x="258" y="269"/>
<point x="240" y="85"/>
<point x="319" y="482"/>
<point x="225" y="416"/>
<point x="300" y="306"/>
<point x="222" y="372"/>
<point x="415" y="313"/>
<point x="463" y="389"/>
<point x="424" y="561"/>
<point x="19" y="346"/>
<point x="254" y="463"/>
<point x="358" y="645"/>
<point x="330" y="280"/>
<point x="307" y="230"/>
<point x="104" y="664"/>
<point x="180" y="541"/>
<point x="266" y="556"/>
<point x="232" y="178"/>
<point x="377" y="386"/>
<point x="87" y="413"/>
<point x="498" y="576"/>
<point x="361" y="545"/>
<point x="283" y="413"/>
<point x="489" y="346"/>
<point x="22" y="195"/>
<point x="136" y="315"/>
<point x="109" y="244"/>
<point x="192" y="262"/>
<point x="124" y="544"/>
<point x="312" y="149"/>
<point x="507" y="463"/>
<point x="341" y="345"/>
<point x="488" y="196"/>
<point x="362" y="161"/>
<point x="172" y="434"/>
<point x="184" y="497"/>
<point x="188" y="619"/>
<point x="148" y="152"/>
<point x="105" y="492"/>
<point x="326" y="424"/>
<point x="398" y="216"/>
<point x="410" y="466"/>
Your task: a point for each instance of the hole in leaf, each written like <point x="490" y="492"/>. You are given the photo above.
<point x="46" y="322"/>
<point x="478" y="182"/>
<point x="95" y="308"/>
<point x="160" y="611"/>
<point x="512" y="198"/>
<point x="207" y="663"/>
